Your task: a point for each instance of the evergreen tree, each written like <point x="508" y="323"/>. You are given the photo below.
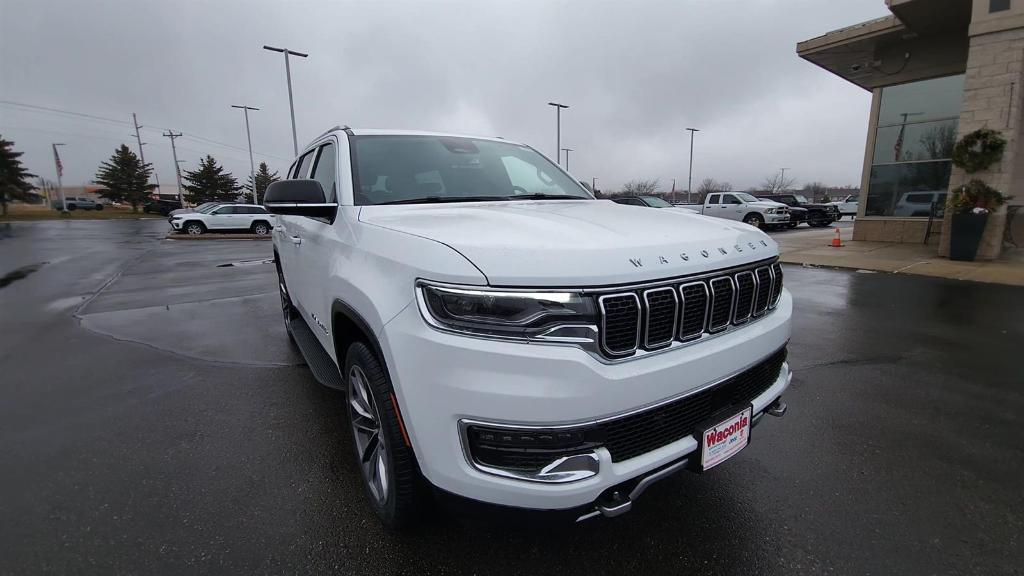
<point x="124" y="178"/>
<point x="14" y="183"/>
<point x="263" y="179"/>
<point x="210" y="183"/>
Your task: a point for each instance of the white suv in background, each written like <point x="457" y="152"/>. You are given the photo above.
<point x="504" y="337"/>
<point x="251" y="217"/>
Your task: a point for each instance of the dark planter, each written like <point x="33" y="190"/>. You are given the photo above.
<point x="966" y="235"/>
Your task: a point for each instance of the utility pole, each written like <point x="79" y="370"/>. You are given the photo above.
<point x="593" y="186"/>
<point x="689" y="179"/>
<point x="782" y="180"/>
<point x="60" y="175"/>
<point x="291" y="103"/>
<point x="252" y="166"/>
<point x="138" y="138"/>
<point x="157" y="178"/>
<point x="567" y="150"/>
<point x="558" y="129"/>
<point x="177" y="169"/>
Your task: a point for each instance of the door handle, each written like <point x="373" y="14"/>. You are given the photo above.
<point x="296" y="240"/>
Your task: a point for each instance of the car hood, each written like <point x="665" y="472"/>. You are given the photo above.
<point x="767" y="204"/>
<point x="577" y="243"/>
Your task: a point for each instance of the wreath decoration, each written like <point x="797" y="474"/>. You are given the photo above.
<point x="979" y="150"/>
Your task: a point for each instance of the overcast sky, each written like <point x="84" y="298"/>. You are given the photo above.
<point x="634" y="73"/>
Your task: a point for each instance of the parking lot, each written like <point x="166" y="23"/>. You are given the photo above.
<point x="154" y="419"/>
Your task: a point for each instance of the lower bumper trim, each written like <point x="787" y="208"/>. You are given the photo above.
<point x="618" y="504"/>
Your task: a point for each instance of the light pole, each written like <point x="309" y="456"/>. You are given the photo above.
<point x="782" y="180"/>
<point x="689" y="179"/>
<point x="177" y="168"/>
<point x="593" y="186"/>
<point x="291" y="103"/>
<point x="60" y="175"/>
<point x="248" y="137"/>
<point x="567" y="150"/>
<point x="558" y="129"/>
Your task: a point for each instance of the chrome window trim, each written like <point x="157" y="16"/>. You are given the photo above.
<point x="682" y="311"/>
<point x="604" y="328"/>
<point x="647" y="318"/>
<point x="732" y="304"/>
<point x="736" y="318"/>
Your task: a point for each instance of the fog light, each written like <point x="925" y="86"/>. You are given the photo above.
<point x="539" y="454"/>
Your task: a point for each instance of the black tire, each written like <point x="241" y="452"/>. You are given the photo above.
<point x="287" y="308"/>
<point x="260" y="228"/>
<point x="193" y="228"/>
<point x="818" y="220"/>
<point x="793" y="225"/>
<point x="754" y="219"/>
<point x="398" y="503"/>
<point x="99" y="207"/>
<point x="72" y="207"/>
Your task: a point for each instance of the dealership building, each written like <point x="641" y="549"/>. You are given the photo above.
<point x="936" y="70"/>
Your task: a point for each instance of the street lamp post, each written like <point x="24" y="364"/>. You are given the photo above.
<point x="248" y="137"/>
<point x="558" y="129"/>
<point x="60" y="175"/>
<point x="567" y="150"/>
<point x="291" y="102"/>
<point x="689" y="179"/>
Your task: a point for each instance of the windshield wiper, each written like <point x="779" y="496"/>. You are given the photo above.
<point x="443" y="199"/>
<point x="540" y="196"/>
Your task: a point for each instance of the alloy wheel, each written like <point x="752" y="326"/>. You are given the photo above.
<point x="370" y="444"/>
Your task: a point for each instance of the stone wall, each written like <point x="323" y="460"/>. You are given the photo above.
<point x="992" y="99"/>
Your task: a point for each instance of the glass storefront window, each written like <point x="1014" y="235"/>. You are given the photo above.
<point x="914" y="141"/>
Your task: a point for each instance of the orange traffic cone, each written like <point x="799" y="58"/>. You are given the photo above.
<point x="837" y="241"/>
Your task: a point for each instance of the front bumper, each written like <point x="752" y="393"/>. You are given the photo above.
<point x="443" y="380"/>
<point x="176" y="224"/>
<point x="776" y="218"/>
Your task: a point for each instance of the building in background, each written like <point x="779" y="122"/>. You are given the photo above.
<point x="937" y="69"/>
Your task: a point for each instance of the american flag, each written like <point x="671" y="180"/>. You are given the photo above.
<point x="56" y="160"/>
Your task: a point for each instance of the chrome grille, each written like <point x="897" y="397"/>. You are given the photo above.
<point x="695" y="310"/>
<point x="620" y="323"/>
<point x="744" y="297"/>
<point x="656" y="317"/>
<point x="764" y="290"/>
<point x="660" y="316"/>
<point x="776" y="284"/>
<point x="723" y="293"/>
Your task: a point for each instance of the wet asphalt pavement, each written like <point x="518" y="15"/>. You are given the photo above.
<point x="153" y="419"/>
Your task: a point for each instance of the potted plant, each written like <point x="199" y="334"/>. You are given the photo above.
<point x="970" y="207"/>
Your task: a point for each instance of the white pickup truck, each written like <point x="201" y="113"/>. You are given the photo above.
<point x="506" y="338"/>
<point x="743" y="207"/>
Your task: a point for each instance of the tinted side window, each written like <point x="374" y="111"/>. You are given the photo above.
<point x="324" y="171"/>
<point x="713" y="199"/>
<point x="303" y="167"/>
<point x="729" y="199"/>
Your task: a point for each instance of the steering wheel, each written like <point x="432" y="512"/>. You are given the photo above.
<point x="519" y="190"/>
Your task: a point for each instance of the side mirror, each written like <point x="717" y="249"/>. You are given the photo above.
<point x="299" y="198"/>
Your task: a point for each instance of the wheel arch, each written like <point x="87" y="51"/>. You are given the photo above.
<point x="348" y="326"/>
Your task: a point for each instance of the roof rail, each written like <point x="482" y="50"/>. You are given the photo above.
<point x="345" y="127"/>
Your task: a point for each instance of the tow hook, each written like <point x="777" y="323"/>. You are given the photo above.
<point x="777" y="408"/>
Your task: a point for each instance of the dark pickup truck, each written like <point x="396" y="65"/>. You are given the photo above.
<point x="800" y="210"/>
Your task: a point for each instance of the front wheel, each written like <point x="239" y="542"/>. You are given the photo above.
<point x="754" y="219"/>
<point x="385" y="460"/>
<point x="260" y="229"/>
<point x="194" y="228"/>
<point x="98" y="207"/>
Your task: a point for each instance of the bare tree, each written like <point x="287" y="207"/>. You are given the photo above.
<point x="641" y="188"/>
<point x="777" y="183"/>
<point x="816" y="191"/>
<point x="712" y="185"/>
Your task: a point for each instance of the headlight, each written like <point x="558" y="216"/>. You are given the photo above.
<point x="176" y="217"/>
<point x="543" y="316"/>
<point x="769" y="210"/>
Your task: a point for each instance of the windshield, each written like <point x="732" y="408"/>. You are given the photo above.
<point x="423" y="169"/>
<point x="655" y="202"/>
<point x="745" y="197"/>
<point x="801" y="199"/>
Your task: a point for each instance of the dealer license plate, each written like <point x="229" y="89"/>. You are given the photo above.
<point x="725" y="439"/>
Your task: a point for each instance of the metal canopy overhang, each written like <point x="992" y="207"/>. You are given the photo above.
<point x="851" y="52"/>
